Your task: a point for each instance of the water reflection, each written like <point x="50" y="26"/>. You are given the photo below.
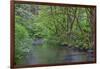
<point x="43" y="53"/>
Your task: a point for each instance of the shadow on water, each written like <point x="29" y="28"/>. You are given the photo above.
<point x="44" y="53"/>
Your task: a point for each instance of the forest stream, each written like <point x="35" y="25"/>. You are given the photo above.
<point x="40" y="54"/>
<point x="53" y="34"/>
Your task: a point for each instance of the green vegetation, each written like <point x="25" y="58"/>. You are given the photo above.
<point x="70" y="26"/>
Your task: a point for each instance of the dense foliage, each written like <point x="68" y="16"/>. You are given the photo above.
<point x="70" y="26"/>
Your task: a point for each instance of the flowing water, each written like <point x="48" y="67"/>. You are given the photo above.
<point x="41" y="53"/>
